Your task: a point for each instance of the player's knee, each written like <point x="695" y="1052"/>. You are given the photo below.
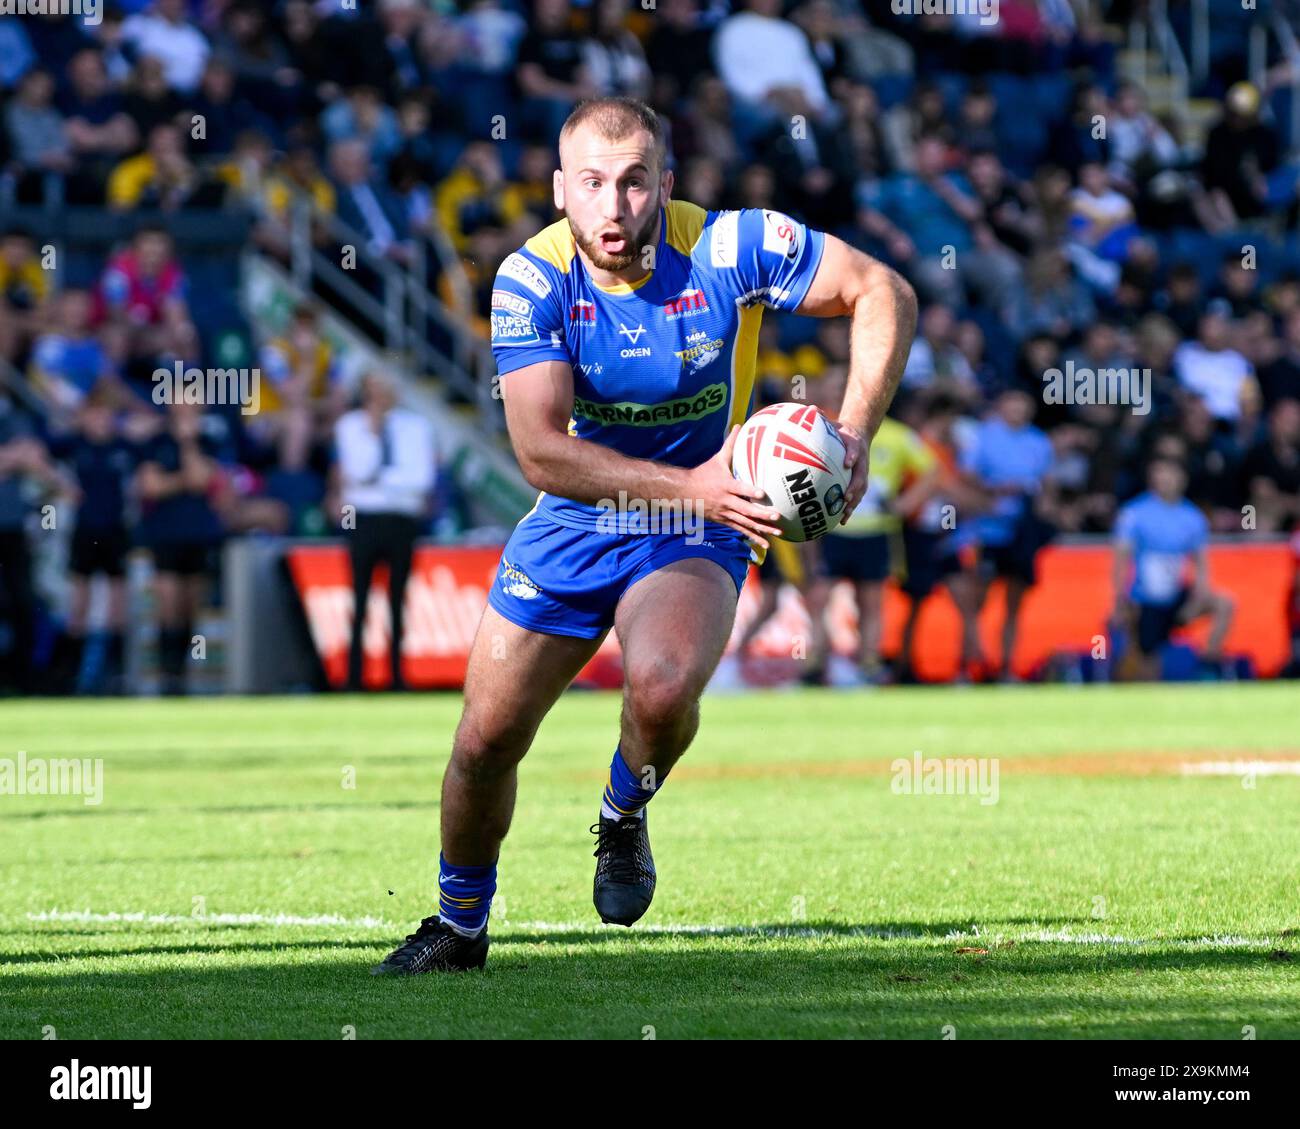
<point x="487" y="747"/>
<point x="660" y="695"/>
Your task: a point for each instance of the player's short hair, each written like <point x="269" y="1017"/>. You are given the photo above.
<point x="942" y="404"/>
<point x="151" y="227"/>
<point x="615" y="118"/>
<point x="1166" y="460"/>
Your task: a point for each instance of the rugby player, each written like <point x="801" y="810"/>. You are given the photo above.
<point x="625" y="336"/>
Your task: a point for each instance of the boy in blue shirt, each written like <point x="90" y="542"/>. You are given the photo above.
<point x="1162" y="540"/>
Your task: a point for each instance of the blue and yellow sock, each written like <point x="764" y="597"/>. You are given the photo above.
<point x="465" y="895"/>
<point x="624" y="795"/>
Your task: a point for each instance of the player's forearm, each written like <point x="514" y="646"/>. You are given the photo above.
<point x="884" y="323"/>
<point x="592" y="473"/>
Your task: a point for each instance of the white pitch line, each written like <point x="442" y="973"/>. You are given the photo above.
<point x="273" y="920"/>
<point x="975" y="935"/>
<point x="1240" y="768"/>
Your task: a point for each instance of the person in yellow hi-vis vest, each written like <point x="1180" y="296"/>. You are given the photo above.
<point x="302" y="373"/>
<point x="902" y="473"/>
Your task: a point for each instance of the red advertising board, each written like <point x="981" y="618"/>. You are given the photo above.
<point x="448" y="591"/>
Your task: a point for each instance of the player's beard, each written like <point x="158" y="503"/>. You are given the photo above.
<point x="635" y="243"/>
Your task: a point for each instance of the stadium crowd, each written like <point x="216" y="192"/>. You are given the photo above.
<point x="1050" y="221"/>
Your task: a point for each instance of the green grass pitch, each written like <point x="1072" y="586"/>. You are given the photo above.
<point x="250" y="860"/>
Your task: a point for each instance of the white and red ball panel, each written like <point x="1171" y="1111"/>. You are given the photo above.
<point x="794" y="454"/>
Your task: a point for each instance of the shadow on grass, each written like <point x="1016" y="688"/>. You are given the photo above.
<point x="225" y="809"/>
<point x="615" y="984"/>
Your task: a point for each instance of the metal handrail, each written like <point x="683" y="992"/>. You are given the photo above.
<point x="1163" y="34"/>
<point x="13" y="380"/>
<point x="407" y="310"/>
<point x="1290" y="44"/>
<point x="1200" y="45"/>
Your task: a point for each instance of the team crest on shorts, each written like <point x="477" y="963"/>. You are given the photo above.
<point x="516" y="583"/>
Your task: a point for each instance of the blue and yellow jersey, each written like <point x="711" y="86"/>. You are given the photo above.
<point x="662" y="367"/>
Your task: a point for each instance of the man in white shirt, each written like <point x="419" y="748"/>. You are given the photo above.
<point x="761" y="57"/>
<point x="387" y="464"/>
<point x="1211" y="370"/>
<point x="165" y="33"/>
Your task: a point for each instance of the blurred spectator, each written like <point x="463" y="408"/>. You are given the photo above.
<point x="925" y="220"/>
<point x="16" y="54"/>
<point x="102" y="461"/>
<point x="925" y="115"/>
<point x="247" y="172"/>
<point x="1281" y="379"/>
<point x="148" y="100"/>
<point x="165" y="33"/>
<point x="23" y="460"/>
<point x="362" y="116"/>
<point x="1208" y="368"/>
<point x="976" y="131"/>
<point x="1052" y="300"/>
<point x="551" y="69"/>
<point x="1080" y="140"/>
<point x="161" y="177"/>
<point x="1238" y="286"/>
<point x="69" y="361"/>
<point x="768" y="65"/>
<point x="1009" y="459"/>
<point x="366" y="204"/>
<point x="477" y="195"/>
<point x="309" y="47"/>
<point x="1102" y="223"/>
<point x="225" y="114"/>
<point x="935" y="363"/>
<point x="175" y="479"/>
<point x="677" y="50"/>
<point x="1005" y="212"/>
<point x="1271" y="471"/>
<point x="613" y="56"/>
<point x="301" y="371"/>
<point x="387" y="463"/>
<point x="98" y="128"/>
<point x="24" y="288"/>
<point x="37" y="140"/>
<point x="251" y="49"/>
<point x="928" y="545"/>
<point x="1213" y="462"/>
<point x="1240" y="153"/>
<point x="297" y="176"/>
<point x="1137" y="140"/>
<point x="141" y="307"/>
<point x="703" y="129"/>
<point x="1182" y="299"/>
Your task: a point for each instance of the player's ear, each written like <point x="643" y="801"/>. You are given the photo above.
<point x="666" y="181"/>
<point x="557" y="188"/>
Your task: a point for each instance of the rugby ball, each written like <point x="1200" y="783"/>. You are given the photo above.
<point x="793" y="453"/>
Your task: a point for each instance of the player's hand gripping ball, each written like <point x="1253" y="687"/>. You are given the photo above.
<point x="794" y="454"/>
